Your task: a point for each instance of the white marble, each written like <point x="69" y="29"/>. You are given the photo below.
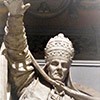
<point x="89" y="76"/>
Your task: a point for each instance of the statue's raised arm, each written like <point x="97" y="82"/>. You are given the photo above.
<point x="15" y="37"/>
<point x="16" y="47"/>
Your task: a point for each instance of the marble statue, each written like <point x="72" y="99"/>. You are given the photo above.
<point x="28" y="80"/>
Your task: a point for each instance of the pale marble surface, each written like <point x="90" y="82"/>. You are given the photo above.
<point x="89" y="76"/>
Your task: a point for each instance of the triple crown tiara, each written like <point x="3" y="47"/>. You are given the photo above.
<point x="59" y="47"/>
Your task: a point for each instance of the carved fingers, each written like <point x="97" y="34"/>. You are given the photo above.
<point x="16" y="7"/>
<point x="25" y="7"/>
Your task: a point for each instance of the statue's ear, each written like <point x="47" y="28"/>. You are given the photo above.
<point x="69" y="64"/>
<point x="45" y="68"/>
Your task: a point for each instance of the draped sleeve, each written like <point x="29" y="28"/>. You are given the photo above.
<point x="21" y="70"/>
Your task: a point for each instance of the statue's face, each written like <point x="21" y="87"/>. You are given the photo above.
<point x="58" y="69"/>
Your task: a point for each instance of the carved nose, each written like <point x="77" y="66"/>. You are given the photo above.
<point x="59" y="68"/>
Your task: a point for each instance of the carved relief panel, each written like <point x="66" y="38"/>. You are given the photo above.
<point x="47" y="8"/>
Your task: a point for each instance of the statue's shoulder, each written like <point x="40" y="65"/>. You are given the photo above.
<point x="87" y="90"/>
<point x="36" y="90"/>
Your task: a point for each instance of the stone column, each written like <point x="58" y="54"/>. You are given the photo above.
<point x="3" y="75"/>
<point x="3" y="61"/>
<point x="3" y="78"/>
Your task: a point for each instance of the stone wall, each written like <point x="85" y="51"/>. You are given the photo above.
<point x="3" y="61"/>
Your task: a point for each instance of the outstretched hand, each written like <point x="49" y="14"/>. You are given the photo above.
<point x="16" y="7"/>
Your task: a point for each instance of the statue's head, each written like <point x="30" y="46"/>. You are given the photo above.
<point x="59" y="52"/>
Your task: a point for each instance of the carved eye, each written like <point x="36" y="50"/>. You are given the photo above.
<point x="55" y="63"/>
<point x="64" y="65"/>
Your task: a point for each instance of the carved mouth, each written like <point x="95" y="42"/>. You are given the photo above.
<point x="60" y="74"/>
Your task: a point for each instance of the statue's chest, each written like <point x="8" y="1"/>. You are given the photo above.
<point x="41" y="92"/>
<point x="38" y="91"/>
